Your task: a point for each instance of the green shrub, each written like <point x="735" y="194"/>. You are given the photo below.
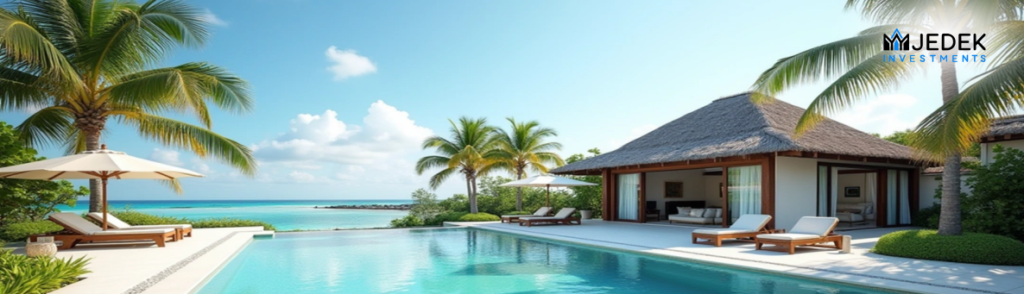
<point x="407" y="221"/>
<point x="519" y="213"/>
<point x="136" y="218"/>
<point x="926" y="217"/>
<point x="20" y="274"/>
<point x="448" y="216"/>
<point x="479" y="217"/>
<point x="995" y="204"/>
<point x="21" y="231"/>
<point x="966" y="248"/>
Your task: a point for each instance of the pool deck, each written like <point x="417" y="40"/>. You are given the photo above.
<point x="136" y="267"/>
<point x="859" y="267"/>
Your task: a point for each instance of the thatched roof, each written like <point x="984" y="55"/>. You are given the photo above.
<point x="1010" y="125"/>
<point x="734" y="126"/>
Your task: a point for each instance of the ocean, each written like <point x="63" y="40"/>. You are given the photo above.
<point x="283" y="214"/>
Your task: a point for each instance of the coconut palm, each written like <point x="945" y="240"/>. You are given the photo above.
<point x="523" y="147"/>
<point x="77" y="64"/>
<point x="858" y="69"/>
<point x="466" y="152"/>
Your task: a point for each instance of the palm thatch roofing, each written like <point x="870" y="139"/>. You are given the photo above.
<point x="735" y="126"/>
<point x="1010" y="125"/>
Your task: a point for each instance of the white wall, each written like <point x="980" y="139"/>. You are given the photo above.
<point x="851" y="180"/>
<point x="929" y="183"/>
<point x="712" y="191"/>
<point x="986" y="149"/>
<point x="693" y="185"/>
<point x="795" y="189"/>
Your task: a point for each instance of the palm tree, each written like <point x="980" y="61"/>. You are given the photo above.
<point x="522" y="148"/>
<point x="467" y="152"/>
<point x="82" y="63"/>
<point x="858" y="68"/>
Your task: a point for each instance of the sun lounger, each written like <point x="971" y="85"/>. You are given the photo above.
<point x="84" y="231"/>
<point x="747" y="226"/>
<point x="809" y="230"/>
<point x="180" y="230"/>
<point x="510" y="218"/>
<point x="564" y="216"/>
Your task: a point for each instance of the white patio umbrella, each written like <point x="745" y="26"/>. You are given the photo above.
<point x="99" y="164"/>
<point x="547" y="181"/>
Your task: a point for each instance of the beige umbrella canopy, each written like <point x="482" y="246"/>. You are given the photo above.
<point x="547" y="181"/>
<point x="99" y="164"/>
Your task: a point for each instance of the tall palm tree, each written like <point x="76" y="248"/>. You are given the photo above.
<point x="82" y="63"/>
<point x="858" y="68"/>
<point x="466" y="152"/>
<point x="523" y="147"/>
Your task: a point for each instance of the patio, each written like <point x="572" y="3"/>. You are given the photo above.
<point x="859" y="267"/>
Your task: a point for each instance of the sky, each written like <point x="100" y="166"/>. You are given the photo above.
<point x="346" y="91"/>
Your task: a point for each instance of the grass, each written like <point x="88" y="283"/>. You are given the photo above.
<point x="136" y="218"/>
<point x="967" y="248"/>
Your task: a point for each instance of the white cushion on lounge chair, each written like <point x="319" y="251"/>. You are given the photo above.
<point x="542" y="211"/>
<point x="81" y="225"/>
<point x="788" y="236"/>
<point x="751" y="222"/>
<point x="814" y="225"/>
<point x="117" y="223"/>
<point x="722" y="231"/>
<point x="562" y="213"/>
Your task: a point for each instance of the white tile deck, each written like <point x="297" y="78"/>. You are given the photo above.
<point x="859" y="267"/>
<point x="130" y="268"/>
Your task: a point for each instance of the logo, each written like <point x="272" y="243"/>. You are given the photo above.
<point x="934" y="43"/>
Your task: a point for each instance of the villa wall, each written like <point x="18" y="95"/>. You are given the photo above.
<point x="852" y="180"/>
<point x="986" y="149"/>
<point x="929" y="183"/>
<point x="693" y="186"/>
<point x="795" y="188"/>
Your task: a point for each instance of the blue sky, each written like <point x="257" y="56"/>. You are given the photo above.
<point x="345" y="90"/>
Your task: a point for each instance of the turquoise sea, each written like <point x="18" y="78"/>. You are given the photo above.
<point x="283" y="214"/>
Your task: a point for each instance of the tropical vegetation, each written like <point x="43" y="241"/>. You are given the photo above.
<point x="523" y="147"/>
<point x="77" y="64"/>
<point x="995" y="204"/>
<point x="857" y="68"/>
<point x="20" y="231"/>
<point x="136" y="218"/>
<point x="20" y="274"/>
<point x="966" y="248"/>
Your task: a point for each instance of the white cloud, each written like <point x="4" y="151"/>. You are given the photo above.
<point x="201" y="166"/>
<point x="166" y="156"/>
<point x="323" y="142"/>
<point x="301" y="177"/>
<point x="884" y="115"/>
<point x="210" y="18"/>
<point x="346" y="63"/>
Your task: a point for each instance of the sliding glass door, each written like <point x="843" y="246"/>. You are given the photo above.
<point x="897" y="197"/>
<point x="744" y="191"/>
<point x="629" y="196"/>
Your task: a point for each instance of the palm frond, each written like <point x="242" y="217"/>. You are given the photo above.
<point x="199" y="140"/>
<point x="431" y="162"/>
<point x="48" y="126"/>
<point x="819" y="63"/>
<point x="23" y="42"/>
<point x="437" y="179"/>
<point x="19" y="90"/>
<point x="172" y="184"/>
<point x="1007" y="42"/>
<point x="895" y="11"/>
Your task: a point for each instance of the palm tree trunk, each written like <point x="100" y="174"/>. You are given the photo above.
<point x="92" y="142"/>
<point x="472" y="197"/>
<point x="519" y="191"/>
<point x="469" y="193"/>
<point x="949" y="217"/>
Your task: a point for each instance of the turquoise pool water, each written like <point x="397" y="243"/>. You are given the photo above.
<point x="474" y="261"/>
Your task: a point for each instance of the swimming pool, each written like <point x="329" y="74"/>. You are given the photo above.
<point x="475" y="261"/>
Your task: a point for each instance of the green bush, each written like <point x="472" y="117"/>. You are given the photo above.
<point x="995" y="204"/>
<point x="136" y="218"/>
<point x="519" y="213"/>
<point x="966" y="248"/>
<point x="407" y="221"/>
<point x="21" y="231"/>
<point x="20" y="274"/>
<point x="448" y="216"/>
<point x="926" y="217"/>
<point x="479" y="217"/>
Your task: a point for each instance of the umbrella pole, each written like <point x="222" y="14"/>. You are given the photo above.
<point x="104" y="204"/>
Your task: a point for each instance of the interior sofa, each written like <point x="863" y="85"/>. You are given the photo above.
<point x="851" y="213"/>
<point x="697" y="216"/>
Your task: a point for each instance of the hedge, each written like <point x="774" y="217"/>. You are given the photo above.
<point x="136" y="218"/>
<point x="21" y="231"/>
<point x="479" y="217"/>
<point x="967" y="248"/>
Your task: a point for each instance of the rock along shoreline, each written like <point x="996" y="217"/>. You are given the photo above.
<point x="371" y="206"/>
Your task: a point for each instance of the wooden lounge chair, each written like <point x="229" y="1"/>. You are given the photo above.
<point x="511" y="218"/>
<point x="181" y="230"/>
<point x="747" y="226"/>
<point x="809" y="230"/>
<point x="81" y="230"/>
<point x="564" y="217"/>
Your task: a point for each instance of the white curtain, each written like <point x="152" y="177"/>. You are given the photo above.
<point x="629" y="193"/>
<point x="744" y="191"/>
<point x="871" y="193"/>
<point x="823" y="191"/>
<point x="890" y="197"/>
<point x="834" y="196"/>
<point x="904" y="197"/>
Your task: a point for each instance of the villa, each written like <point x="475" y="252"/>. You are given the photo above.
<point x="744" y="158"/>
